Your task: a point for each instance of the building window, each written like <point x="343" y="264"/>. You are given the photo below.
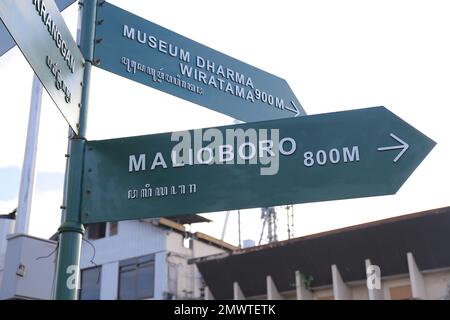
<point x="113" y="228"/>
<point x="96" y="230"/>
<point x="90" y="284"/>
<point x="137" y="278"/>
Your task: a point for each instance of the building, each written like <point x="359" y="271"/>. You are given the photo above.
<point x="28" y="269"/>
<point x="136" y="259"/>
<point x="145" y="259"/>
<point x="6" y="227"/>
<point x="406" y="257"/>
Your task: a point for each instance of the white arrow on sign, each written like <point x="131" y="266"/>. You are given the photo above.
<point x="404" y="146"/>
<point x="294" y="110"/>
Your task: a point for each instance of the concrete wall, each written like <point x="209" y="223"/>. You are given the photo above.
<point x="437" y="285"/>
<point x="29" y="268"/>
<point x="6" y="228"/>
<point x="396" y="282"/>
<point x="109" y="281"/>
<point x="182" y="274"/>
<point x="188" y="278"/>
<point x="323" y="293"/>
<point x="202" y="249"/>
<point x="134" y="239"/>
<point x="359" y="291"/>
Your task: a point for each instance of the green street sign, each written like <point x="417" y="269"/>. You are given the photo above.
<point x="44" y="39"/>
<point x="147" y="53"/>
<point x="7" y="43"/>
<point x="340" y="155"/>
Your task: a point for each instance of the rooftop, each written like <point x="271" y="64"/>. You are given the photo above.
<point x="385" y="242"/>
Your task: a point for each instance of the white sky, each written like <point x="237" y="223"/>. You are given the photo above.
<point x="335" y="55"/>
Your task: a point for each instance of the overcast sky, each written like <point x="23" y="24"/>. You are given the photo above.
<point x="335" y="55"/>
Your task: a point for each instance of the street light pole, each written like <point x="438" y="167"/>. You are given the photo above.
<point x="29" y="160"/>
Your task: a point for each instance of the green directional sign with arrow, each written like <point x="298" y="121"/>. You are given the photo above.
<point x="340" y="155"/>
<point x="147" y="53"/>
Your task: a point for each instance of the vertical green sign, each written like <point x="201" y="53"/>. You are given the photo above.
<point x="7" y="43"/>
<point x="44" y="39"/>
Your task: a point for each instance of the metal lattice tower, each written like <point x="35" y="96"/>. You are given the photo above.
<point x="290" y="220"/>
<point x="269" y="217"/>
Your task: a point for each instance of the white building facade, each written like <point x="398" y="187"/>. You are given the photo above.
<point x="146" y="259"/>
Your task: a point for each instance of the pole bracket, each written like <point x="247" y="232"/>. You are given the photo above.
<point x="70" y="226"/>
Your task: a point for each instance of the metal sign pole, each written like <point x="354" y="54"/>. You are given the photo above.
<point x="71" y="230"/>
